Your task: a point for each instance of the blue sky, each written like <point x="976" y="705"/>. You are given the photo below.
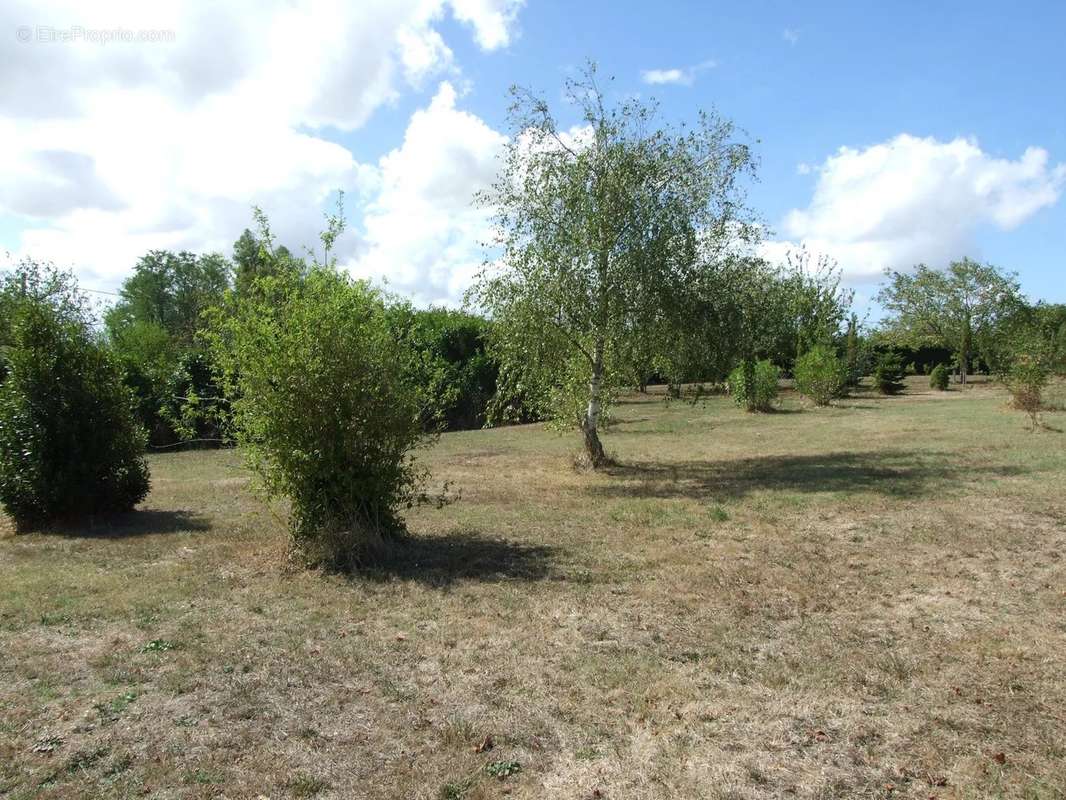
<point x="952" y="115"/>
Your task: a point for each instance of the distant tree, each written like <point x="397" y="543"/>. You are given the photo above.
<point x="815" y="303"/>
<point x="258" y="255"/>
<point x="69" y="442"/>
<point x="757" y="313"/>
<point x="171" y="290"/>
<point x="153" y="328"/>
<point x="248" y="261"/>
<point x="754" y="310"/>
<point x="958" y="308"/>
<point x="1040" y="327"/>
<point x="888" y="373"/>
<point x="148" y="355"/>
<point x="853" y="361"/>
<point x="603" y="231"/>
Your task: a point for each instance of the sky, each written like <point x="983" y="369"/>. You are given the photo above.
<point x="887" y="134"/>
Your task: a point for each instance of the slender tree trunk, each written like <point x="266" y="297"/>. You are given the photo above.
<point x="590" y="425"/>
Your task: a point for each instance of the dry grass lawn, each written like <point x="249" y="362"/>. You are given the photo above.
<point x="861" y="601"/>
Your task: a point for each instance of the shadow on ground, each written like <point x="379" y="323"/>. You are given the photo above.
<point x="146" y="522"/>
<point x="461" y="555"/>
<point x="896" y="473"/>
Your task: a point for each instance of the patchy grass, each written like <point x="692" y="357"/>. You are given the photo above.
<point x="866" y="600"/>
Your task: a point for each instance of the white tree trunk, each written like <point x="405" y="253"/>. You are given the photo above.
<point x="590" y="425"/>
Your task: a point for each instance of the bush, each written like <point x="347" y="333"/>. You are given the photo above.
<point x="820" y="375"/>
<point x="754" y="385"/>
<point x="322" y="409"/>
<point x="1027" y="371"/>
<point x="450" y="368"/>
<point x="1026" y="380"/>
<point x="888" y="373"/>
<point x="69" y="442"/>
<point x="939" y="378"/>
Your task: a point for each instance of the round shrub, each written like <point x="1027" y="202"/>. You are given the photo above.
<point x="820" y="375"/>
<point x="70" y="445"/>
<point x="939" y="378"/>
<point x="888" y="373"/>
<point x="754" y="385"/>
<point x="322" y="410"/>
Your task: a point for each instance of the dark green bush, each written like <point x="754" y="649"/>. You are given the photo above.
<point x="939" y="378"/>
<point x="888" y="373"/>
<point x="754" y="385"/>
<point x="449" y="367"/>
<point x="322" y="408"/>
<point x="69" y="442"/>
<point x="820" y="375"/>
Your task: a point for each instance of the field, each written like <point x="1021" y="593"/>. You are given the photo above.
<point x="861" y="601"/>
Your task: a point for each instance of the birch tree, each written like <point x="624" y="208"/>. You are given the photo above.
<point x="604" y="230"/>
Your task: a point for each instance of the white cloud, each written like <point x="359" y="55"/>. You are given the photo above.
<point x="680" y="76"/>
<point x="657" y="77"/>
<point x="790" y="35"/>
<point x="111" y="149"/>
<point x="493" y="20"/>
<point x="423" y="232"/>
<point x="911" y="200"/>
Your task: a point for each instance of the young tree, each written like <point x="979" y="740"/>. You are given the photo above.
<point x="888" y="373"/>
<point x="958" y="308"/>
<point x="603" y="230"/>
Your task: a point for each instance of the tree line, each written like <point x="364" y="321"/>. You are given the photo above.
<point x="626" y="255"/>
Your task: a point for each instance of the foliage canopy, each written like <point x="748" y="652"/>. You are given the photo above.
<point x="606" y="232"/>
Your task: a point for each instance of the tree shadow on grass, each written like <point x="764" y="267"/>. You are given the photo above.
<point x="460" y="555"/>
<point x="126" y="525"/>
<point x="894" y="473"/>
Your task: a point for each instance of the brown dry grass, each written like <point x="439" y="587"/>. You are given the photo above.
<point x="860" y="601"/>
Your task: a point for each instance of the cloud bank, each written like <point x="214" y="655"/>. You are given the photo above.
<point x="109" y="149"/>
<point x="911" y="200"/>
